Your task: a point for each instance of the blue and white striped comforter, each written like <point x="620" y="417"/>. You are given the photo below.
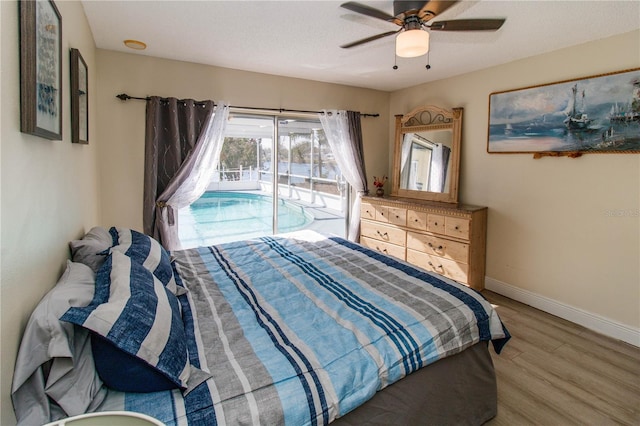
<point x="300" y="331"/>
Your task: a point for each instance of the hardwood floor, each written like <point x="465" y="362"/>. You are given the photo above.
<point x="554" y="372"/>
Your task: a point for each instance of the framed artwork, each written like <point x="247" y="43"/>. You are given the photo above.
<point x="597" y="114"/>
<point x="41" y="69"/>
<point x="79" y="98"/>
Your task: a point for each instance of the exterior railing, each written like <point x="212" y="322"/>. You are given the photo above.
<point x="316" y="190"/>
<point x="239" y="174"/>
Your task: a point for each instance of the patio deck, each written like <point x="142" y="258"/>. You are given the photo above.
<point x="326" y="221"/>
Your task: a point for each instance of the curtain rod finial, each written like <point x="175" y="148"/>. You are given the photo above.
<point x="123" y="97"/>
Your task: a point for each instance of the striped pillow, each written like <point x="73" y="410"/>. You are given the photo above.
<point x="149" y="253"/>
<point x="134" y="311"/>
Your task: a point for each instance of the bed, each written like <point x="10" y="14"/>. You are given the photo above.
<point x="303" y="329"/>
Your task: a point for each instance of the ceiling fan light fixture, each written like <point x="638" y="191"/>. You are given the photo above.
<point x="412" y="43"/>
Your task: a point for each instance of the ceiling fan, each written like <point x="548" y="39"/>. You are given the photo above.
<point x="413" y="19"/>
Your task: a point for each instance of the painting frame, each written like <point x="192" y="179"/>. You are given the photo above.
<point x="559" y="119"/>
<point x="79" y="73"/>
<point x="41" y="106"/>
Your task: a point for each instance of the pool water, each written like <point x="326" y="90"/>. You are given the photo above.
<point x="219" y="217"/>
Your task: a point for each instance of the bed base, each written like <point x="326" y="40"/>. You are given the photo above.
<point x="458" y="390"/>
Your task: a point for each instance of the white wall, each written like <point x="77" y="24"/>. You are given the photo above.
<point x="48" y="189"/>
<point x="122" y="155"/>
<point x="551" y="240"/>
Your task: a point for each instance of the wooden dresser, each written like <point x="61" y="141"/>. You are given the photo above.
<point x="448" y="239"/>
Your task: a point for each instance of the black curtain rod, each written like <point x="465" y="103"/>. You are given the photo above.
<point x="125" y="97"/>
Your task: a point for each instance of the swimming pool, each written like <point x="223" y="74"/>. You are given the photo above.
<point x="223" y="216"/>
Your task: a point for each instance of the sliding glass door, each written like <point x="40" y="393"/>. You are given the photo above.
<point x="263" y="188"/>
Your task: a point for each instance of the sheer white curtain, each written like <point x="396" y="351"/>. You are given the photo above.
<point x="407" y="142"/>
<point x="344" y="135"/>
<point x="192" y="179"/>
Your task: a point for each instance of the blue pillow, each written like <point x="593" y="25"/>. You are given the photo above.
<point x="147" y="252"/>
<point x="136" y="313"/>
<point x="117" y="369"/>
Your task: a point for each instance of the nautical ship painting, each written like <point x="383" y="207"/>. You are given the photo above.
<point x="594" y="114"/>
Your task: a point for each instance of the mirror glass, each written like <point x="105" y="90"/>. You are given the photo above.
<point x="427" y="154"/>
<point x="426" y="161"/>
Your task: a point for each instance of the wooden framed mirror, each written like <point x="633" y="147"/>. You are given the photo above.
<point x="427" y="154"/>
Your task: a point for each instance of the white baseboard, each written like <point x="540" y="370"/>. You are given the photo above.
<point x="586" y="319"/>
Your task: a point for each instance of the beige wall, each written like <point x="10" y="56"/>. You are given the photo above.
<point x="48" y="189"/>
<point x="551" y="239"/>
<point x="121" y="124"/>
<point x="549" y="233"/>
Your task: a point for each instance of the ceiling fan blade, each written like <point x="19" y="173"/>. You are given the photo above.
<point x="467" y="25"/>
<point x="433" y="8"/>
<point x="369" y="11"/>
<point x="368" y="39"/>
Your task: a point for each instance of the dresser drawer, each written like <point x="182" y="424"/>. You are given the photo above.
<point x="383" y="247"/>
<point x="382" y="213"/>
<point x="417" y="220"/>
<point x="367" y="211"/>
<point x="397" y="216"/>
<point x="381" y="232"/>
<point x="438" y="246"/>
<point x="435" y="223"/>
<point x="449" y="268"/>
<point x="457" y="227"/>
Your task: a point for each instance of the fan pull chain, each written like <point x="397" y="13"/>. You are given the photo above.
<point x="395" y="61"/>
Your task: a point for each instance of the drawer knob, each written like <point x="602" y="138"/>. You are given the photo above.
<point x="457" y="228"/>
<point x="435" y="248"/>
<point x="381" y="234"/>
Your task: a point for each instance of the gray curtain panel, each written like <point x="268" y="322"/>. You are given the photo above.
<point x="439" y="166"/>
<point x="355" y="131"/>
<point x="173" y="127"/>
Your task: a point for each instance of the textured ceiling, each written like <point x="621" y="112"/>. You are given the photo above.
<point x="302" y="38"/>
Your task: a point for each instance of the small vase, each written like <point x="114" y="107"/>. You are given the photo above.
<point x="380" y="192"/>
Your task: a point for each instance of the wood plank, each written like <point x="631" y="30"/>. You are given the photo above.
<point x="524" y="399"/>
<point x="592" y="395"/>
<point x="557" y="372"/>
